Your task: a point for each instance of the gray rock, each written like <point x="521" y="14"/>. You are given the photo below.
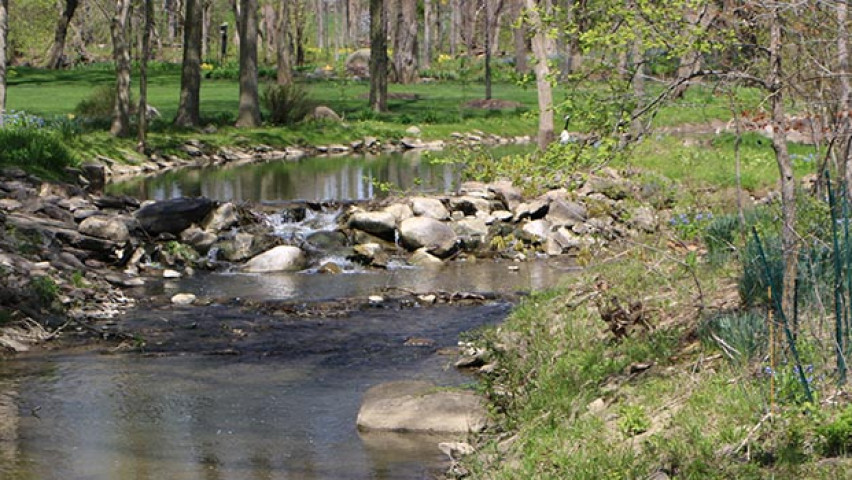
<point x="536" y="231"/>
<point x="324" y="113"/>
<point x="563" y="240"/>
<point x="173" y="216"/>
<point x="381" y="224"/>
<point x="562" y="212"/>
<point x="507" y="193"/>
<point x="238" y="248"/>
<point x="413" y="131"/>
<point x="422" y="258"/>
<point x="183" y="299"/>
<point x="470" y="205"/>
<point x="370" y="254"/>
<point x="282" y="258"/>
<point x="437" y="237"/>
<point x="327" y="241"/>
<point x="221" y="218"/>
<point x="533" y="210"/>
<point x="109" y="228"/>
<point x="10" y="205"/>
<point x="400" y="211"/>
<point x="198" y="239"/>
<point x="414" y="406"/>
<point x="429" y="207"/>
<point x="358" y="63"/>
<point x="644" y="219"/>
<point x="500" y="216"/>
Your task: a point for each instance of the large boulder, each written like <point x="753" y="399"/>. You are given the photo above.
<point x="109" y="228"/>
<point x="437" y="237"/>
<point x="536" y="231"/>
<point x="283" y="258"/>
<point x="221" y="218"/>
<point x="429" y="207"/>
<point x="381" y="224"/>
<point x="173" y="216"/>
<point x="415" y="406"/>
<point x="567" y="213"/>
<point x="358" y="63"/>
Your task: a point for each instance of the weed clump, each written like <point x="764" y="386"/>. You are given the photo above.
<point x="287" y="104"/>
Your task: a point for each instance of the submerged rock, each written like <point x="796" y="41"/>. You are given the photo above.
<point x="415" y="406"/>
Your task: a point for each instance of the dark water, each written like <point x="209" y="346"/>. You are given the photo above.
<point x="284" y="408"/>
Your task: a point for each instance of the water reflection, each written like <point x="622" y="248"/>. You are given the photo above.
<point x="210" y="417"/>
<point x="341" y="178"/>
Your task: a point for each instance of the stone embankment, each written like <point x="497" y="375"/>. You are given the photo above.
<point x="69" y="253"/>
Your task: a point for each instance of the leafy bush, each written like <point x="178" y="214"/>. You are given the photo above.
<point x="99" y="104"/>
<point x="46" y="291"/>
<point x="836" y="436"/>
<point x="743" y="336"/>
<point x="287" y="104"/>
<point x="35" y="150"/>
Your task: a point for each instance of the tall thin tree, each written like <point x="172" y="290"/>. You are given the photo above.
<point x="121" y="55"/>
<point x="534" y="11"/>
<point x="4" y="31"/>
<point x="56" y="54"/>
<point x="249" y="108"/>
<point x="282" y="44"/>
<point x="378" y="56"/>
<point x="189" y="108"/>
<point x="142" y="111"/>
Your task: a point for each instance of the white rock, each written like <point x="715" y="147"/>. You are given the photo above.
<point x="279" y="259"/>
<point x="183" y="299"/>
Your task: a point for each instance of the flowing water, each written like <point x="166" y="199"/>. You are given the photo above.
<point x="224" y="393"/>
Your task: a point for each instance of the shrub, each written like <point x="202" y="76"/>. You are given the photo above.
<point x="36" y="150"/>
<point x="287" y="104"/>
<point x="99" y="104"/>
<point x="743" y="336"/>
<point x="46" y="291"/>
<point x="836" y="436"/>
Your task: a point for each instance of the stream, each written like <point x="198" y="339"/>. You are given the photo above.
<point x="221" y="392"/>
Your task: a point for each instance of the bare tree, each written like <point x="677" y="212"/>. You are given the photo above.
<point x="519" y="36"/>
<point x="405" y="43"/>
<point x="143" y="76"/>
<point x="57" y="50"/>
<point x="378" y="56"/>
<point x="534" y="11"/>
<point x="4" y="31"/>
<point x="282" y="44"/>
<point x="189" y="107"/>
<point x="249" y="109"/>
<point x="428" y="33"/>
<point x="121" y="55"/>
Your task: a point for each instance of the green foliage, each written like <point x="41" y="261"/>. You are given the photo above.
<point x="180" y="251"/>
<point x="36" y="150"/>
<point x="99" y="104"/>
<point x="632" y="420"/>
<point x="287" y="104"/>
<point x="742" y="336"/>
<point x="45" y="290"/>
<point x="835" y="436"/>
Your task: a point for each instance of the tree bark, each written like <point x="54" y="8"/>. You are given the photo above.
<point x="428" y="32"/>
<point x="188" y="113"/>
<point x="488" y="15"/>
<point x="57" y="50"/>
<point x="4" y="32"/>
<point x="789" y="239"/>
<point x="206" y="21"/>
<point x="519" y="37"/>
<point x="845" y="127"/>
<point x="282" y="44"/>
<point x="405" y="43"/>
<point x="378" y="56"/>
<point x="143" y="76"/>
<point x="542" y="71"/>
<point x="121" y="55"/>
<point x="249" y="109"/>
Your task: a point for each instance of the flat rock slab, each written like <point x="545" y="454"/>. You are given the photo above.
<point x="415" y="406"/>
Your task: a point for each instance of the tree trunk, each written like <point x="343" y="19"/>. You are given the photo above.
<point x="845" y="127"/>
<point x="455" y="26"/>
<point x="519" y="37"/>
<point x="542" y="71"/>
<point x="282" y="44"/>
<point x="57" y="50"/>
<point x="691" y="60"/>
<point x="405" y="43"/>
<point x="789" y="239"/>
<point x="188" y="113"/>
<point x="378" y="56"/>
<point x="143" y="76"/>
<point x="249" y="110"/>
<point x="206" y="21"/>
<point x="428" y="32"/>
<point x="4" y="31"/>
<point x="637" y="80"/>
<point x="121" y="55"/>
<point x="488" y="14"/>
